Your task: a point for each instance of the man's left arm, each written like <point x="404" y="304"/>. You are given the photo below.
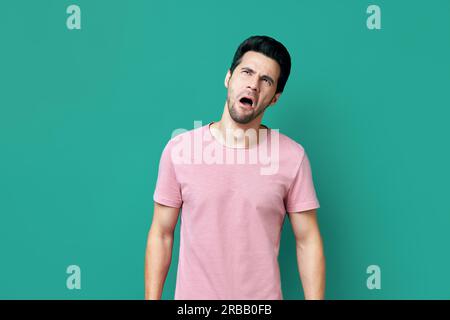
<point x="310" y="256"/>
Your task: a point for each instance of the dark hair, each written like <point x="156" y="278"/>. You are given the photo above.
<point x="270" y="48"/>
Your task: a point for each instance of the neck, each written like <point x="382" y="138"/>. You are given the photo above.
<point x="227" y="125"/>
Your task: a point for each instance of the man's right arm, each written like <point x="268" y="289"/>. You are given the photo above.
<point x="159" y="249"/>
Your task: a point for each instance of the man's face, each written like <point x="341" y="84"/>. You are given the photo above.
<point x="252" y="86"/>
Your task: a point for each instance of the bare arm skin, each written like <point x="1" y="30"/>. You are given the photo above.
<point x="159" y="249"/>
<point x="310" y="257"/>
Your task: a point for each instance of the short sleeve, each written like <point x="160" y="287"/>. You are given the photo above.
<point x="167" y="190"/>
<point x="301" y="195"/>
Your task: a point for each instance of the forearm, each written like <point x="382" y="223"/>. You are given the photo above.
<point x="157" y="262"/>
<point x="311" y="265"/>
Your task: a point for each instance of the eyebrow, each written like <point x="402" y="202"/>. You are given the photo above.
<point x="264" y="76"/>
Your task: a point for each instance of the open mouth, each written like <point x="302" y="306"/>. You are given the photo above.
<point x="246" y="101"/>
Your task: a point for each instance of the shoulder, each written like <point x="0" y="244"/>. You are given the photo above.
<point x="290" y="147"/>
<point x="183" y="136"/>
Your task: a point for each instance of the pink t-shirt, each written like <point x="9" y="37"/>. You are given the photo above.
<point x="232" y="211"/>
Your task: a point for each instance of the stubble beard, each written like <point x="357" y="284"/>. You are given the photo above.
<point x="242" y="118"/>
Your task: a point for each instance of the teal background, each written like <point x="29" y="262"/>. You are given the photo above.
<point x="85" y="114"/>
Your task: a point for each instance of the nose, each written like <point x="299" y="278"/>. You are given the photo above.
<point x="253" y="84"/>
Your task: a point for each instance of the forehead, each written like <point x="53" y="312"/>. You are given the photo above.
<point x="260" y="63"/>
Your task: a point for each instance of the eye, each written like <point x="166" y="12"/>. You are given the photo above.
<point x="246" y="71"/>
<point x="267" y="81"/>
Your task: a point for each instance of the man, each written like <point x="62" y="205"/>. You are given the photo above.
<point x="232" y="213"/>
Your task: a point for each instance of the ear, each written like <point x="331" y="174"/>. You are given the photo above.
<point x="275" y="98"/>
<point x="227" y="78"/>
